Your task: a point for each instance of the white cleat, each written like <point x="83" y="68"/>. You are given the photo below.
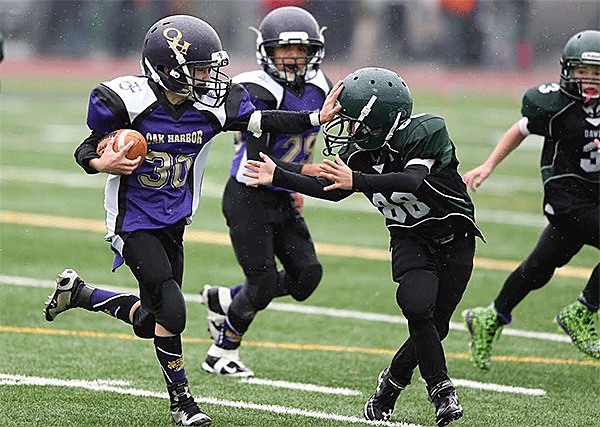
<point x="217" y="300"/>
<point x="224" y="362"/>
<point x="67" y="284"/>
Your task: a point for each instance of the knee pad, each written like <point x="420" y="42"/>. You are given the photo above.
<point x="172" y="313"/>
<point x="143" y="323"/>
<point x="307" y="282"/>
<point x="417" y="293"/>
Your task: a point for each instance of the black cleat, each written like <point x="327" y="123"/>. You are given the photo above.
<point x="380" y="406"/>
<point x="184" y="410"/>
<point x="447" y="409"/>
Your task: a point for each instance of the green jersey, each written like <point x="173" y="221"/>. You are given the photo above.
<point x="441" y="204"/>
<point x="570" y="163"/>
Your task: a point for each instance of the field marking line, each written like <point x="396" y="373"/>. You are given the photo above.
<point x="291" y="346"/>
<point x="222" y="239"/>
<point x="303" y="309"/>
<point x="301" y="386"/>
<point x="14" y="380"/>
<point x="498" y="387"/>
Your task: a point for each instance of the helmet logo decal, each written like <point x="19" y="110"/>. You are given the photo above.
<point x="298" y="36"/>
<point x="174" y="40"/>
<point x="592" y="56"/>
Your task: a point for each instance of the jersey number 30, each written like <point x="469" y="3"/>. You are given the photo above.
<point x="399" y="206"/>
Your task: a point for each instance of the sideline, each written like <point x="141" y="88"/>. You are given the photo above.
<point x="222" y="239"/>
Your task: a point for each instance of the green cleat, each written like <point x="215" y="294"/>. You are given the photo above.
<point x="578" y="323"/>
<point x="484" y="327"/>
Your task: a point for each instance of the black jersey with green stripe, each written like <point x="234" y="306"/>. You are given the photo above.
<point x="441" y="204"/>
<point x="570" y="163"/>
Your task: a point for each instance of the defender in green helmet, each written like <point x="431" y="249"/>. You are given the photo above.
<point x="583" y="49"/>
<point x="407" y="167"/>
<point x="375" y="101"/>
<point x="567" y="115"/>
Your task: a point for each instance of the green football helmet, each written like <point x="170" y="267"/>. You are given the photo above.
<point x="581" y="49"/>
<point x="375" y="102"/>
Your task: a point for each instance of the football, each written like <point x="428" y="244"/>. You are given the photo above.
<point x="120" y="138"/>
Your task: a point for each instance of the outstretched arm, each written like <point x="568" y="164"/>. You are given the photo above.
<point x="267" y="173"/>
<point x="509" y="141"/>
<point x="278" y="121"/>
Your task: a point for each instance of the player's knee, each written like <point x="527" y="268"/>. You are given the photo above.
<point x="416" y="294"/>
<point x="308" y="280"/>
<point x="172" y="314"/>
<point x="143" y="323"/>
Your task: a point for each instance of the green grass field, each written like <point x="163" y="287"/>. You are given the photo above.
<point x="316" y="363"/>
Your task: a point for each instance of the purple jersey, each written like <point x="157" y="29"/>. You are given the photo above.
<point x="267" y="94"/>
<point x="166" y="187"/>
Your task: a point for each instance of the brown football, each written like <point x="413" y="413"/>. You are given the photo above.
<point x="120" y="138"/>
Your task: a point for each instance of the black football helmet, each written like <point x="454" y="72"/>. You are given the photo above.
<point x="581" y="49"/>
<point x="290" y="25"/>
<point x="177" y="45"/>
<point x="375" y="102"/>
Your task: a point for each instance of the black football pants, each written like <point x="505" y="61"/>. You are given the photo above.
<point x="559" y="242"/>
<point x="431" y="280"/>
<point x="264" y="224"/>
<point x="155" y="258"/>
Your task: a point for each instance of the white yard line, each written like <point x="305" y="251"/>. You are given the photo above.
<point x="14" y="380"/>
<point x="304" y="309"/>
<point x="498" y="387"/>
<point x="302" y="387"/>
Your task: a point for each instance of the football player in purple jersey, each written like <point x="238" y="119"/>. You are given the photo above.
<point x="567" y="115"/>
<point x="179" y="103"/>
<point x="406" y="166"/>
<point x="266" y="222"/>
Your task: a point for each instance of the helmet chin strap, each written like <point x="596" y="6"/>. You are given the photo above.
<point x="186" y="72"/>
<point x="153" y="74"/>
<point x="366" y="109"/>
<point x="156" y="78"/>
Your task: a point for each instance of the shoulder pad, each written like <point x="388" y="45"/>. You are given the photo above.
<point x="419" y="126"/>
<point x="134" y="92"/>
<point x="321" y="81"/>
<point x="262" y="79"/>
<point x="424" y="136"/>
<point x="545" y="99"/>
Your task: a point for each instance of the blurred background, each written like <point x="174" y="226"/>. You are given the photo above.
<point x="486" y="34"/>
